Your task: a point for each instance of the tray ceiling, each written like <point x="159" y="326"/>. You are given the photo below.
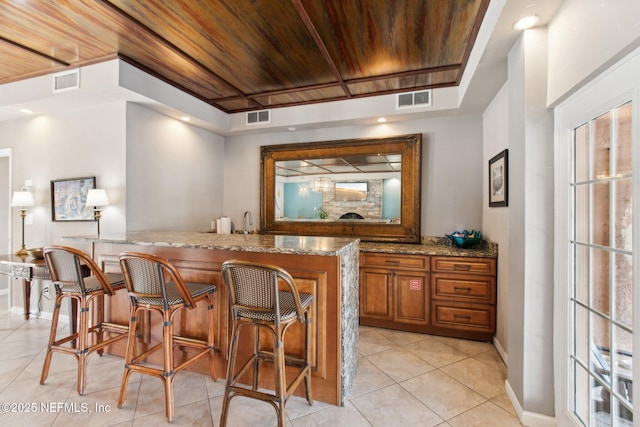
<point x="242" y="55"/>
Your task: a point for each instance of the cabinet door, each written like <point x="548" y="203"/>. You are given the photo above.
<point x="376" y="298"/>
<point x="412" y="297"/>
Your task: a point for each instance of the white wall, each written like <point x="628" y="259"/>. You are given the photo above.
<point x="495" y="221"/>
<point x="587" y="37"/>
<point x="174" y="173"/>
<point x="69" y="144"/>
<point x="451" y="168"/>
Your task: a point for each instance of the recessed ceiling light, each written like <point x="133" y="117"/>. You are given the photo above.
<point x="382" y="120"/>
<point x="291" y="128"/>
<point x="526" y="22"/>
<point x="26" y="111"/>
<point x="185" y="119"/>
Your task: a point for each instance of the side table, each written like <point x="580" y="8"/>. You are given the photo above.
<point x="26" y="268"/>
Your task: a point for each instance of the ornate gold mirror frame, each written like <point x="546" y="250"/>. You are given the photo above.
<point x="406" y="229"/>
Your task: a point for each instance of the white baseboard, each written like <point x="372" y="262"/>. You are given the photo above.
<point x="530" y="419"/>
<point x="500" y="350"/>
<point x="42" y="315"/>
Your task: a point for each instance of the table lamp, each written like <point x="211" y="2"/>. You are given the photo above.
<point x="97" y="198"/>
<point x="22" y="199"/>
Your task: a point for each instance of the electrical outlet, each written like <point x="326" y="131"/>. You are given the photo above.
<point x="48" y="291"/>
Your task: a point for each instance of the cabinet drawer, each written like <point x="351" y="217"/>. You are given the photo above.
<point x="469" y="317"/>
<point x="463" y="265"/>
<point x="394" y="261"/>
<point x="463" y="287"/>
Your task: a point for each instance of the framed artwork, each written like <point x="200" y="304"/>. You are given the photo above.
<point x="499" y="180"/>
<point x="68" y="199"/>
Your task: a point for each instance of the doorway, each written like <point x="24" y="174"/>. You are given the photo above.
<point x="5" y="212"/>
<point x="596" y="278"/>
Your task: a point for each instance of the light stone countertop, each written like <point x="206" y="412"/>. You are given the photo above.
<point x="306" y="245"/>
<point x="433" y="246"/>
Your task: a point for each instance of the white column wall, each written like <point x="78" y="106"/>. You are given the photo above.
<point x="530" y="275"/>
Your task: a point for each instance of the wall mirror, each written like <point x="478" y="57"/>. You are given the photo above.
<point x="366" y="188"/>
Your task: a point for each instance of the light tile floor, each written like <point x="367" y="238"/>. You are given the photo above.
<point x="403" y="379"/>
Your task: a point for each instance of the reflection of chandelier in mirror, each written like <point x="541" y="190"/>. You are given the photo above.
<point x="303" y="190"/>
<point x="322" y="185"/>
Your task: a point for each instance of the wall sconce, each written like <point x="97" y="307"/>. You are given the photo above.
<point x="22" y="199"/>
<point x="97" y="198"/>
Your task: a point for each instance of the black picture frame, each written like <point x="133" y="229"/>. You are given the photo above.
<point x="68" y="199"/>
<point x="499" y="180"/>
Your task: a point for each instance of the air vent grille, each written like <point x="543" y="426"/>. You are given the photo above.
<point x="414" y="99"/>
<point x="255" y="117"/>
<point x="68" y="80"/>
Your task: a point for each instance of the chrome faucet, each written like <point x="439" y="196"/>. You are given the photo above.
<point x="244" y="221"/>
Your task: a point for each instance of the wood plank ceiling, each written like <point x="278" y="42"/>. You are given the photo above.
<point x="242" y="55"/>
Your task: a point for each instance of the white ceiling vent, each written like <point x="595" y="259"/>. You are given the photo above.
<point x="255" y="117"/>
<point x="67" y="80"/>
<point x="414" y="99"/>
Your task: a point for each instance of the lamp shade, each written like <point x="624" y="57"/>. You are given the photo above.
<point x="22" y="199"/>
<point x="97" y="198"/>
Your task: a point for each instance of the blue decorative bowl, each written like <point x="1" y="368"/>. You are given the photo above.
<point x="466" y="238"/>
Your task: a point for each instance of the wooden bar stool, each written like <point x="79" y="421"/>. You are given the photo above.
<point x="156" y="285"/>
<point x="66" y="268"/>
<point x="255" y="299"/>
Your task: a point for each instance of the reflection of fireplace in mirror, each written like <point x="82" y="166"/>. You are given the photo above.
<point x="369" y="207"/>
<point x="375" y="200"/>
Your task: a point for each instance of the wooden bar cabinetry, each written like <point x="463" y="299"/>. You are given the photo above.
<point x="442" y="295"/>
<point x="394" y="288"/>
<point x="463" y="296"/>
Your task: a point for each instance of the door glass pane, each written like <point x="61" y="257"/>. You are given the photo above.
<point x="583" y="382"/>
<point x="621" y="361"/>
<point x="602" y="281"/>
<point x="623" y="236"/>
<point x="581" y="153"/>
<point x="582" y="213"/>
<point x="600" y="214"/>
<point x="600" y="288"/>
<point x="582" y="342"/>
<point x="582" y="274"/>
<point x="623" y="290"/>
<point x="622" y="146"/>
<point x="601" y="147"/>
<point x="599" y="347"/>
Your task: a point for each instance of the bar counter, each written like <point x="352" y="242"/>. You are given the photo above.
<point x="327" y="267"/>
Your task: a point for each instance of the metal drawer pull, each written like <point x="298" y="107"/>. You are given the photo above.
<point x="462" y="267"/>
<point x="458" y="289"/>
<point x="390" y="261"/>
<point x="457" y="316"/>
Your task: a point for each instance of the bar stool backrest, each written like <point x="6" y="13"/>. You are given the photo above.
<point x="254" y="287"/>
<point x="147" y="276"/>
<point x="65" y="266"/>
